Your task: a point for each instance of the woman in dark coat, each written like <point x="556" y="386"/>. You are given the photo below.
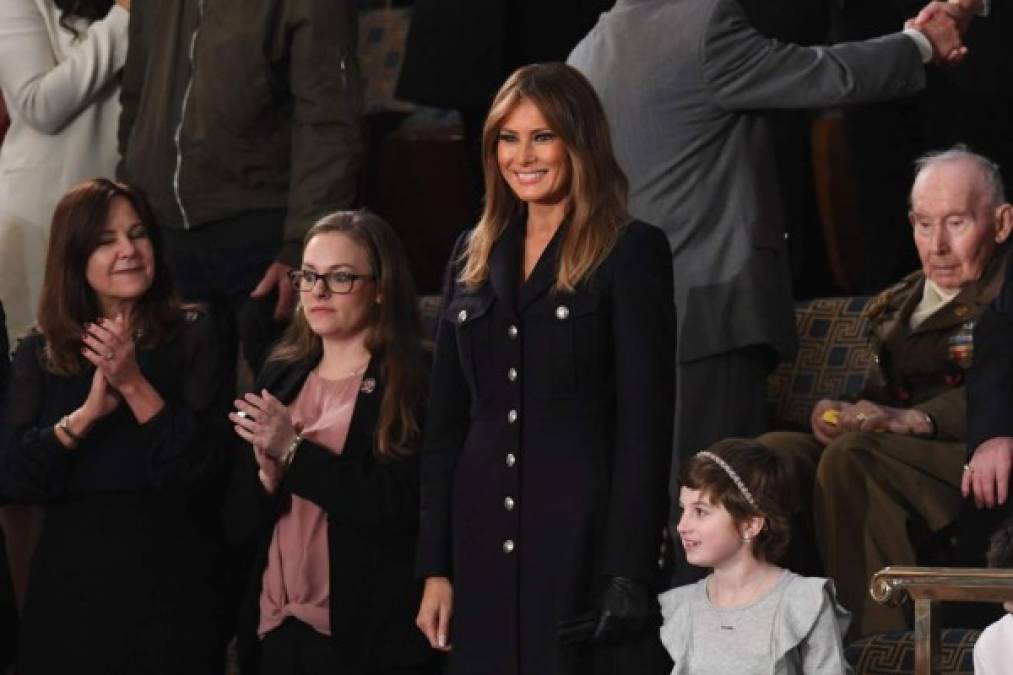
<point x="547" y="447"/>
<point x="116" y="423"/>
<point x="325" y="495"/>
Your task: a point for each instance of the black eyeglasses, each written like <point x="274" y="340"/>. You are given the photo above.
<point x="336" y="282"/>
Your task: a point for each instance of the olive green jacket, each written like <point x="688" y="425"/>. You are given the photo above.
<point x="926" y="368"/>
<point x="232" y="106"/>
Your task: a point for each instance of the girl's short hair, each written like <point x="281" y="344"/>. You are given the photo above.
<point x="763" y="473"/>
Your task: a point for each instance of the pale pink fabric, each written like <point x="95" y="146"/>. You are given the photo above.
<point x="296" y="580"/>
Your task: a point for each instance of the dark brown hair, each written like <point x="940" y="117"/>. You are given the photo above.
<point x="395" y="336"/>
<point x="68" y="302"/>
<point x="598" y="186"/>
<point x="90" y="10"/>
<point x="766" y="477"/>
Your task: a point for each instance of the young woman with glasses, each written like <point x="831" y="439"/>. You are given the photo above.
<point x="325" y="495"/>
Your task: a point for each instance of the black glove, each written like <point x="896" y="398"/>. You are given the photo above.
<point x="625" y="608"/>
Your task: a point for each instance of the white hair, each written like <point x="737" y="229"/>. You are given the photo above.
<point x="990" y="176"/>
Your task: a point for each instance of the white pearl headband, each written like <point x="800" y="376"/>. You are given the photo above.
<point x="731" y="474"/>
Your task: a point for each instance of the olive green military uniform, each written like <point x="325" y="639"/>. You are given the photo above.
<point x="873" y="489"/>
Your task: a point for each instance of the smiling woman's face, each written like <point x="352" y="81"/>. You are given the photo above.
<point x="532" y="158"/>
<point x="122" y="266"/>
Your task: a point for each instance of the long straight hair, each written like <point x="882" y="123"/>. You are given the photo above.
<point x="395" y="335"/>
<point x="68" y="302"/>
<point x="598" y="187"/>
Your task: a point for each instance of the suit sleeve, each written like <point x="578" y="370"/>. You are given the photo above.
<point x="131" y="82"/>
<point x="949" y="412"/>
<point x="990" y="379"/>
<point x="745" y="70"/>
<point x="47" y="94"/>
<point x="34" y="465"/>
<point x="326" y="134"/>
<point x="188" y="439"/>
<point x="446" y="426"/>
<point x="644" y="330"/>
<point x="362" y="491"/>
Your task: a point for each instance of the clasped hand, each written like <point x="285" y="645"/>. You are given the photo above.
<point x="865" y="416"/>
<point x="943" y="23"/>
<point x="265" y="422"/>
<point x="109" y="346"/>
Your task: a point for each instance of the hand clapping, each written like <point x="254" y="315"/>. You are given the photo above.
<point x="264" y="422"/>
<point x="109" y="346"/>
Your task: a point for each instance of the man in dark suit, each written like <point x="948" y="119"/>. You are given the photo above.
<point x="682" y="82"/>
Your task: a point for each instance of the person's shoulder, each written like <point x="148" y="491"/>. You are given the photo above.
<point x="30" y="350"/>
<point x="637" y="234"/>
<point x="805" y="600"/>
<point x="894" y="295"/>
<point x="679" y="598"/>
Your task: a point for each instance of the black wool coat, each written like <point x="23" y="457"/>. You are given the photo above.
<point x="547" y="450"/>
<point x="372" y="529"/>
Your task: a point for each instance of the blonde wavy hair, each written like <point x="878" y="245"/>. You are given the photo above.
<point x="596" y="209"/>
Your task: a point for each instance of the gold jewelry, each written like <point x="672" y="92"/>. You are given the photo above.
<point x="64" y="424"/>
<point x="289" y="455"/>
<point x="109" y="355"/>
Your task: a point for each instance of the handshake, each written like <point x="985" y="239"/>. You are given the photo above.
<point x="943" y="23"/>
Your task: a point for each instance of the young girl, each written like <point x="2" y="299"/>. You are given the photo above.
<point x="749" y="616"/>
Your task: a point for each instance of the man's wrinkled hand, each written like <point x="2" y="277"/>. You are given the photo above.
<point x="986" y="476"/>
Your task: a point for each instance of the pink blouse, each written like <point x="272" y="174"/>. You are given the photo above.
<point x="296" y="580"/>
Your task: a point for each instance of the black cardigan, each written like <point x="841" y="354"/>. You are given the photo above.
<point x="372" y="510"/>
<point x="130" y="559"/>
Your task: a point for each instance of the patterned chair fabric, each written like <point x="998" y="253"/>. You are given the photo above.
<point x="832" y="361"/>
<point x="894" y="653"/>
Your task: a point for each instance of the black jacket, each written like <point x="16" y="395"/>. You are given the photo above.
<point x="990" y="379"/>
<point x="547" y="450"/>
<point x="372" y="510"/>
<point x="265" y="107"/>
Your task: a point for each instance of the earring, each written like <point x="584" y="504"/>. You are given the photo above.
<point x="747" y="538"/>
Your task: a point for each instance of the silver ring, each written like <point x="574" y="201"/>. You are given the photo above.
<point x="968" y="468"/>
<point x="861" y="417"/>
<point x="244" y="415"/>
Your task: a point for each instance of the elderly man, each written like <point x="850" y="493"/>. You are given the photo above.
<point x="684" y="83"/>
<point x="890" y="463"/>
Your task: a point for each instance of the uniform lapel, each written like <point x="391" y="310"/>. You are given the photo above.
<point x="362" y="426"/>
<point x="970" y="303"/>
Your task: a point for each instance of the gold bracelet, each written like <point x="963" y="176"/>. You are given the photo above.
<point x="286" y="459"/>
